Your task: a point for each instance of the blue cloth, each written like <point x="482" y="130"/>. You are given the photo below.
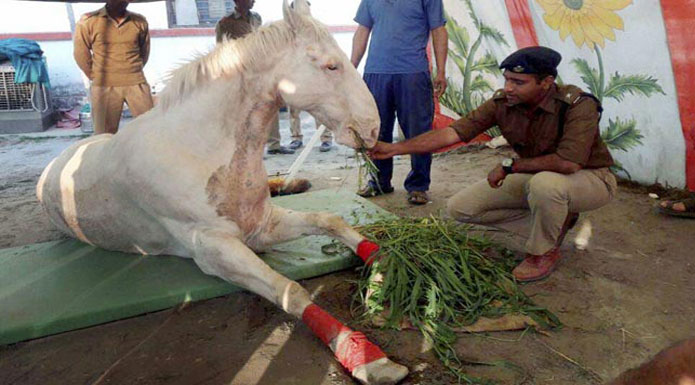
<point x="408" y="96"/>
<point x="400" y="30"/>
<point x="26" y="58"/>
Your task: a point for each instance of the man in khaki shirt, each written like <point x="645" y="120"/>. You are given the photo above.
<point x="111" y="47"/>
<point x="562" y="164"/>
<point x="235" y="25"/>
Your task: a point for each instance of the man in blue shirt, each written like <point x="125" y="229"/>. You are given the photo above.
<point x="397" y="74"/>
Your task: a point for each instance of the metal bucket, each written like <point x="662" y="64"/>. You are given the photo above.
<point x="86" y="122"/>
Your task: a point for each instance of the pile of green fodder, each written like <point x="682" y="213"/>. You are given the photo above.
<point x="433" y="273"/>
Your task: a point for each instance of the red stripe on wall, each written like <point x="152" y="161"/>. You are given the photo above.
<point x="172" y="32"/>
<point x="522" y="23"/>
<point x="679" y="16"/>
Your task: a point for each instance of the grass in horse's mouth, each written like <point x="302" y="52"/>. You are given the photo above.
<point x="367" y="166"/>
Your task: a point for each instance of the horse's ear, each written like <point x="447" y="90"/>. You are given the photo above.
<point x="301" y="6"/>
<point x="292" y="11"/>
<point x="288" y="14"/>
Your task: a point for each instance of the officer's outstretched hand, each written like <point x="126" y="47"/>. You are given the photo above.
<point x="496" y="177"/>
<point x="383" y="150"/>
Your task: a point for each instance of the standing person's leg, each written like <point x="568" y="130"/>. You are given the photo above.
<point x="274" y="146"/>
<point x="274" y="133"/>
<point x="139" y="98"/>
<point x="415" y="110"/>
<point x="295" y="128"/>
<point x="381" y="87"/>
<point x="327" y="136"/>
<point x="107" y="105"/>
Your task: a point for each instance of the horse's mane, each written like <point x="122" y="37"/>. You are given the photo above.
<point x="238" y="56"/>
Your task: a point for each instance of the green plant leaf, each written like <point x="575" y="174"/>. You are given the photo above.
<point x="460" y="61"/>
<point x="621" y="134"/>
<point x="453" y="98"/>
<point x="589" y="75"/>
<point x="488" y="63"/>
<point x="472" y="14"/>
<point x="619" y="85"/>
<point x="458" y="36"/>
<point x="493" y="34"/>
<point x="479" y="84"/>
<point x="618" y="168"/>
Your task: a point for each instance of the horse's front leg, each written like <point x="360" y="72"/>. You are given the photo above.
<point x="285" y="225"/>
<point x="223" y="255"/>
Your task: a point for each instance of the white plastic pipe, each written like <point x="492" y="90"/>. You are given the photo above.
<point x="302" y="156"/>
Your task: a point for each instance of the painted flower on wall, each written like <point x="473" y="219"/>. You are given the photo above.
<point x="589" y="22"/>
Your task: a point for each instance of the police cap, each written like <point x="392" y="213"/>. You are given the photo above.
<point x="533" y="60"/>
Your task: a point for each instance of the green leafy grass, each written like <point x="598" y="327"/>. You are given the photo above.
<point x="436" y="275"/>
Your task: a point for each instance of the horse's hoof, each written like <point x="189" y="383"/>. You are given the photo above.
<point x="380" y="372"/>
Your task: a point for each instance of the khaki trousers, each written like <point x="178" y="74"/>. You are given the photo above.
<point x="274" y="133"/>
<point x="107" y="104"/>
<point x="535" y="204"/>
<point x="296" y="128"/>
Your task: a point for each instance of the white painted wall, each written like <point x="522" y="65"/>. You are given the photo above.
<point x="167" y="53"/>
<point x="35" y="16"/>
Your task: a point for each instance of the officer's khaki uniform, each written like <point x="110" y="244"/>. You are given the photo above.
<point x="234" y="26"/>
<point x="112" y="56"/>
<point x="546" y="197"/>
<point x="296" y="127"/>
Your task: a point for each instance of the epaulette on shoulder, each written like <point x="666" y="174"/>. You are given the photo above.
<point x="499" y="94"/>
<point x="569" y="94"/>
<point x="87" y="15"/>
<point x="135" y="15"/>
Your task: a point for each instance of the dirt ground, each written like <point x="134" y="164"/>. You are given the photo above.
<point x="622" y="300"/>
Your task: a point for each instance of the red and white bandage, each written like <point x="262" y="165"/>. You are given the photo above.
<point x="367" y="251"/>
<point x="352" y="349"/>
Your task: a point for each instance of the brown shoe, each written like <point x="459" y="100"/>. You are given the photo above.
<point x="537" y="267"/>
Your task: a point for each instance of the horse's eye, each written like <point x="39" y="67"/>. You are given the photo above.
<point x="332" y="67"/>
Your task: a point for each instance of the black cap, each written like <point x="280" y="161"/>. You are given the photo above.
<point x="533" y="60"/>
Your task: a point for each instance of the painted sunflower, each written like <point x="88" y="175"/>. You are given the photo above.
<point x="588" y="21"/>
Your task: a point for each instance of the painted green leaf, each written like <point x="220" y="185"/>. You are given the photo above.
<point x="618" y="168"/>
<point x="619" y="85"/>
<point x="459" y="36"/>
<point x="589" y="75"/>
<point x="479" y="84"/>
<point x="487" y="63"/>
<point x="621" y="134"/>
<point x="493" y="34"/>
<point x="460" y="62"/>
<point x="472" y="14"/>
<point x="453" y="98"/>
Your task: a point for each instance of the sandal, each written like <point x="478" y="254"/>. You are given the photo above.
<point x="417" y="197"/>
<point x="689" y="211"/>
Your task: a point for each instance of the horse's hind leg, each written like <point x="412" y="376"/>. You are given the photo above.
<point x="225" y="256"/>
<point x="285" y="225"/>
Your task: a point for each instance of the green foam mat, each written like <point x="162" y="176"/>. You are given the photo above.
<point x="53" y="287"/>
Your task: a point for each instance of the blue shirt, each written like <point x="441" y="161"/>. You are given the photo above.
<point x="400" y="30"/>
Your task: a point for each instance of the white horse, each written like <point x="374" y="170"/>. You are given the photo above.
<point x="187" y="178"/>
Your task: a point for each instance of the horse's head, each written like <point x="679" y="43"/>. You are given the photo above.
<point x="316" y="76"/>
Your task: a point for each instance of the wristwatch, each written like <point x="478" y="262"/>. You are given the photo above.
<point x="507" y="164"/>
